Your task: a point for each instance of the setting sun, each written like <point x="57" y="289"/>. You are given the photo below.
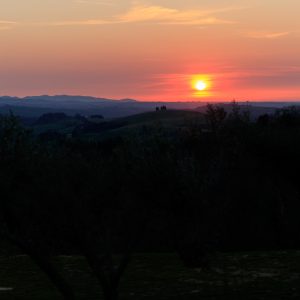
<point x="200" y="85"/>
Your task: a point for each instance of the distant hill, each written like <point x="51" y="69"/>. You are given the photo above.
<point x="35" y="106"/>
<point x="102" y="128"/>
<point x="96" y="127"/>
<point x="171" y="120"/>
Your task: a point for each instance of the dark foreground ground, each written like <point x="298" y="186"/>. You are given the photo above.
<point x="258" y="275"/>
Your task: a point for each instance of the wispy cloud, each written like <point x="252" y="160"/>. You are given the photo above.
<point x="5" y="28"/>
<point x="7" y="25"/>
<point x="95" y="2"/>
<point x="172" y="16"/>
<point x="267" y="35"/>
<point x="74" y="23"/>
<point x="159" y="15"/>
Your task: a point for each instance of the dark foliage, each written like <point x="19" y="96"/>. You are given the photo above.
<point x="231" y="184"/>
<point x="51" y="118"/>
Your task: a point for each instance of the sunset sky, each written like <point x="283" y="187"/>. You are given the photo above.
<point x="151" y="50"/>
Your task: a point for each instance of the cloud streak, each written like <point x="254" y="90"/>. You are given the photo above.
<point x="7" y="22"/>
<point x="171" y="16"/>
<point x="159" y="15"/>
<point x="267" y="35"/>
<point x="95" y="2"/>
<point x="7" y="25"/>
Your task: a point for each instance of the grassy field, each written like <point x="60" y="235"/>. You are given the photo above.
<point x="258" y="275"/>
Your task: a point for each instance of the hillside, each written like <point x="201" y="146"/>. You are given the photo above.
<point x="35" y="106"/>
<point x="100" y="128"/>
<point x="84" y="105"/>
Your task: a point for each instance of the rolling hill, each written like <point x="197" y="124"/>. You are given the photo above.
<point x="101" y="128"/>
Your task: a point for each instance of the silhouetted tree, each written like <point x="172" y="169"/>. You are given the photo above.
<point x="21" y="212"/>
<point x="193" y="191"/>
<point x="215" y="116"/>
<point x="96" y="117"/>
<point x="263" y="120"/>
<point x="51" y="118"/>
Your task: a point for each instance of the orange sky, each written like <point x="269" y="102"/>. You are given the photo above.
<point x="151" y="50"/>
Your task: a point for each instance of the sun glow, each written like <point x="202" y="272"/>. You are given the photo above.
<point x="201" y="84"/>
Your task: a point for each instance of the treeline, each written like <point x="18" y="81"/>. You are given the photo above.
<point x="230" y="185"/>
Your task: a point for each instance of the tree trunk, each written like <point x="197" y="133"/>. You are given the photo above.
<point x="54" y="276"/>
<point x="110" y="293"/>
<point x="47" y="267"/>
<point x="42" y="261"/>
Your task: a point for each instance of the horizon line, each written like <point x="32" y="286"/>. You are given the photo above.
<point x="153" y="100"/>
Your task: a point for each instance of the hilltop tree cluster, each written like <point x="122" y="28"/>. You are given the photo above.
<point x="161" y="108"/>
